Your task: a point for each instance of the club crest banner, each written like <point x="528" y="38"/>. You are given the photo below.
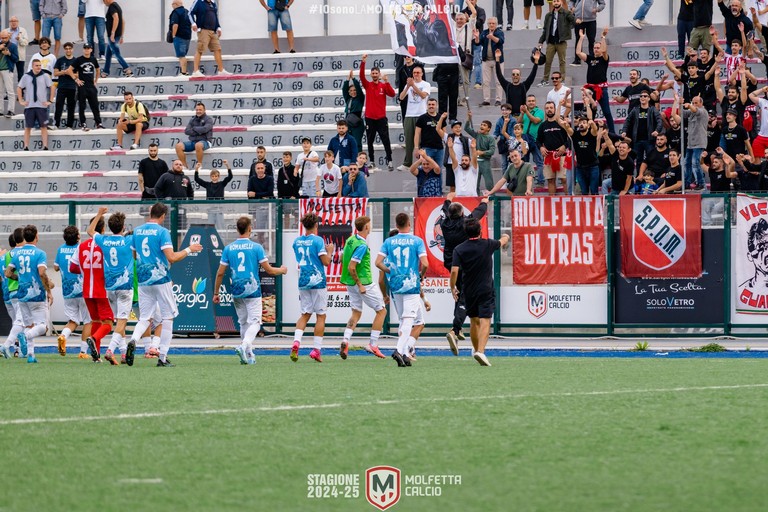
<point x="337" y="223"/>
<point x="422" y="29"/>
<point x="558" y="240"/>
<point x="429" y="214"/>
<point x="751" y="255"/>
<point x="661" y="236"/>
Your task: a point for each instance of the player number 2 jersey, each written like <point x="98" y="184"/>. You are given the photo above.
<point x="402" y="253"/>
<point x="244" y="257"/>
<point x="308" y="250"/>
<point x="149" y="241"/>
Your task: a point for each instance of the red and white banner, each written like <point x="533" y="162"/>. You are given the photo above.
<point x="558" y="240"/>
<point x="423" y="30"/>
<point x="428" y="214"/>
<point x="661" y="236"/>
<point x="337" y="223"/>
<point x="751" y="255"/>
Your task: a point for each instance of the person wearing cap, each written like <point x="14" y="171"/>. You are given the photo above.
<point x="87" y="70"/>
<point x="8" y="57"/>
<point x="52" y="12"/>
<point x="20" y="38"/>
<point x="66" y="89"/>
<point x="307" y="165"/>
<point x="200" y="133"/>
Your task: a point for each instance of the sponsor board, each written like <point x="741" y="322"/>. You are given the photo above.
<point x="750" y="257"/>
<point x="554" y="304"/>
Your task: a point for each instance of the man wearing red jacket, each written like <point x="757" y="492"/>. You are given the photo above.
<point x="376" y="92"/>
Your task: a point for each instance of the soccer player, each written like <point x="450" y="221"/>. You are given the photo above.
<point x="71" y="290"/>
<point x="10" y="287"/>
<point x="356" y="275"/>
<point x="118" y="275"/>
<point x="407" y="263"/>
<point x="154" y="254"/>
<point x="244" y="257"/>
<point x="475" y="259"/>
<point x="34" y="294"/>
<point x="313" y="256"/>
<point x="89" y="260"/>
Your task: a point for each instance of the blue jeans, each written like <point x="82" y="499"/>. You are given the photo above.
<point x="477" y="64"/>
<point x="535" y="155"/>
<point x="100" y="26"/>
<point x="52" y="23"/>
<point x="643" y="10"/>
<point x="437" y="155"/>
<point x="693" y="171"/>
<point x="587" y="178"/>
<point x="114" y="48"/>
<point x="605" y="106"/>
<point x="684" y="29"/>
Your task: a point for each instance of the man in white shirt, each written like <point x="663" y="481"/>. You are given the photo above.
<point x="559" y="92"/>
<point x="416" y="93"/>
<point x="465" y="171"/>
<point x="307" y="164"/>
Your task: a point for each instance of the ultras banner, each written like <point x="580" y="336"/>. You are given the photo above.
<point x="429" y="214"/>
<point x="558" y="240"/>
<point x="337" y="223"/>
<point x="661" y="236"/>
<point x="422" y="29"/>
<point x="751" y="255"/>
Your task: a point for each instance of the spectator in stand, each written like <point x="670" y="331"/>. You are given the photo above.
<point x="261" y="186"/>
<point x="174" y="184"/>
<point x="597" y="74"/>
<point x="758" y="174"/>
<point x="87" y="70"/>
<point x="362" y="163"/>
<point x="427" y="172"/>
<point x="261" y="156"/>
<point x="96" y="21"/>
<point x="81" y="21"/>
<point x="643" y="124"/>
<point x="376" y="92"/>
<point x="490" y="40"/>
<point x="585" y="12"/>
<point x="584" y="139"/>
<point x="446" y="76"/>
<point x="403" y="71"/>
<point x="622" y="165"/>
<point x="354" y="101"/>
<point x="503" y="130"/>
<point x="181" y="30"/>
<point x="633" y="91"/>
<point x="702" y="24"/>
<point x="559" y="92"/>
<point x="115" y="29"/>
<point x="204" y="16"/>
<point x="552" y="140"/>
<point x="426" y="136"/>
<point x="280" y="13"/>
<point x="8" y="57"/>
<point x="735" y="141"/>
<point x="733" y="17"/>
<point x="672" y="179"/>
<point x="657" y="159"/>
<point x="66" y="89"/>
<point x="330" y="176"/>
<point x="52" y="12"/>
<point x="20" y="38"/>
<point x="353" y="182"/>
<point x="685" y="24"/>
<point x="415" y="95"/>
<point x="465" y="35"/>
<point x="459" y="144"/>
<point x="558" y="24"/>
<point x="288" y="179"/>
<point x="343" y="145"/>
<point x="465" y="170"/>
<point x="34" y="7"/>
<point x="150" y="170"/>
<point x="46" y="58"/>
<point x="473" y="9"/>
<point x="486" y="147"/>
<point x="638" y="21"/>
<point x="307" y="164"/>
<point x="531" y="117"/>
<point x="35" y="94"/>
<point x="759" y="11"/>
<point x="516" y="90"/>
<point x="214" y="189"/>
<point x="720" y="168"/>
<point x="527" y="12"/>
<point x="134" y="119"/>
<point x="500" y="12"/>
<point x="200" y="133"/>
<point x="517" y="179"/>
<point x="696" y="128"/>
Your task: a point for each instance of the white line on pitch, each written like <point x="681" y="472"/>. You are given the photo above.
<point x="278" y="408"/>
<point x="140" y="481"/>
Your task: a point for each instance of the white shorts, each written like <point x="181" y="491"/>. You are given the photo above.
<point x="154" y="297"/>
<point x="121" y="302"/>
<point x="409" y="306"/>
<point x="372" y="297"/>
<point x="76" y="311"/>
<point x="248" y="311"/>
<point x="15" y="319"/>
<point x="313" y="301"/>
<point x="33" y="313"/>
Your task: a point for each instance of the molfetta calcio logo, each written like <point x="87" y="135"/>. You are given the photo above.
<point x="537" y="303"/>
<point x="382" y="486"/>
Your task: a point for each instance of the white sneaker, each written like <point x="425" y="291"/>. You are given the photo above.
<point x="135" y="146"/>
<point x="198" y="73"/>
<point x="539" y="26"/>
<point x="223" y="72"/>
<point x="645" y="23"/>
<point x="525" y="25"/>
<point x="116" y="147"/>
<point x="403" y="168"/>
<point x="480" y="358"/>
<point x="635" y="23"/>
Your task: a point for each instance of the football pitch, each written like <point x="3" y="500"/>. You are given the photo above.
<point x="527" y="434"/>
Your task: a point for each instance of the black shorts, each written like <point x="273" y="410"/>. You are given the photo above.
<point x="33" y="115"/>
<point x="132" y="127"/>
<point x="527" y="3"/>
<point x="482" y="306"/>
<point x="450" y="176"/>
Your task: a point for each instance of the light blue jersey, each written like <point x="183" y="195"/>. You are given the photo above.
<point x="402" y="253"/>
<point x="149" y="240"/>
<point x="244" y="257"/>
<point x="308" y="250"/>
<point x="26" y="261"/>
<point x="118" y="261"/>
<point x="71" y="284"/>
<point x="6" y="291"/>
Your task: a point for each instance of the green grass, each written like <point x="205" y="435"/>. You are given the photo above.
<point x="544" y="444"/>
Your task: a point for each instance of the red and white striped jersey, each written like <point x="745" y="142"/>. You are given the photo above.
<point x="89" y="260"/>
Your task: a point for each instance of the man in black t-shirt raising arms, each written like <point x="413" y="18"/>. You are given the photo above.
<point x="475" y="259"/>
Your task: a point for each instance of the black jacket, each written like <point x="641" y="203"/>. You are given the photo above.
<point x="174" y="186"/>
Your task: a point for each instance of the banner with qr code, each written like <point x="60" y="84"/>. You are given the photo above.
<point x="422" y="29"/>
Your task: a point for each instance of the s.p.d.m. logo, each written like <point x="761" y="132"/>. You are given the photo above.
<point x="382" y="486"/>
